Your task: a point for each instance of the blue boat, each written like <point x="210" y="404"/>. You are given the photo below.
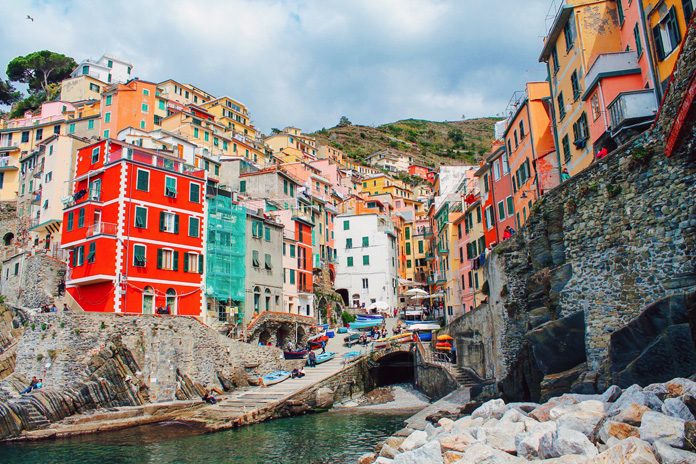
<point x="422" y="322"/>
<point x="275" y="377"/>
<point x="365" y="324"/>
<point x="370" y="316"/>
<point x="322" y="358"/>
<point x="351" y="356"/>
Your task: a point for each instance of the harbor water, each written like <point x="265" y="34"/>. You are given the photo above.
<point x="331" y="437"/>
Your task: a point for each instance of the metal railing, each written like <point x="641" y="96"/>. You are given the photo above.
<point x="101" y="228"/>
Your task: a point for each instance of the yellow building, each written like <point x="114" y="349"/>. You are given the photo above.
<point x="327" y="151"/>
<point x="233" y="115"/>
<point x="381" y="184"/>
<point x="667" y="23"/>
<point x="83" y="87"/>
<point x="184" y="94"/>
<point x="581" y="30"/>
<point x="292" y="137"/>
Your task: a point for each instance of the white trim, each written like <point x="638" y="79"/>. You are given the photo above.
<point x="92" y="277"/>
<point x="171" y="244"/>
<point x="137" y="170"/>
<point x="132" y="263"/>
<point x="90" y="201"/>
<point x="135" y="215"/>
<point x="176" y="186"/>
<point x="165" y="208"/>
<point x="84" y="240"/>
<point x="171" y="283"/>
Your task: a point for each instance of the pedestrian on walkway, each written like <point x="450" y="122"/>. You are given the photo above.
<point x="323" y="346"/>
<point x="312" y="359"/>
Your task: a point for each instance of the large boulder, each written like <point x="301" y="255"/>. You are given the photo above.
<point x="430" y="453"/>
<point x="559" y="345"/>
<point x="568" y="441"/>
<point x="481" y="453"/>
<point x="676" y="408"/>
<point x="490" y="409"/>
<point x="537" y="442"/>
<point x="618" y="430"/>
<point x="669" y="455"/>
<point x="656" y="346"/>
<point x="416" y="439"/>
<point x="659" y="427"/>
<point x="632" y="414"/>
<point x="629" y="451"/>
<point x="635" y="394"/>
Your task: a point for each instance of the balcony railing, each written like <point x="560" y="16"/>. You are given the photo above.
<point x="301" y="214"/>
<point x="101" y="228"/>
<point x="425" y="231"/>
<point x="7" y="162"/>
<point x="610" y="63"/>
<point x="161" y="162"/>
<point x="630" y="107"/>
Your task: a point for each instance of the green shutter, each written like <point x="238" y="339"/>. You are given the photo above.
<point x="71" y="219"/>
<point x="350" y="261"/>
<point x="408" y="248"/>
<point x="346" y="225"/>
<point x="194" y="193"/>
<point x="143" y="179"/>
<point x="175" y="261"/>
<point x="200" y="264"/>
<point x="176" y="223"/>
<point x="161" y="221"/>
<point x="159" y="258"/>
<point x="186" y="262"/>
<point x="92" y="254"/>
<point x="81" y="218"/>
<point x="366" y="259"/>
<point x="267" y="233"/>
<point x="242" y="186"/>
<point x="366" y="241"/>
<point x="349" y="243"/>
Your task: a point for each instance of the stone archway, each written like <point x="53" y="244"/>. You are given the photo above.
<point x="283" y="336"/>
<point x="344" y="295"/>
<point x="301" y="336"/>
<point x="265" y="336"/>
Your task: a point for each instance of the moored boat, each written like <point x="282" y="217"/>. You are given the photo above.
<point x="299" y="354"/>
<point x="323" y="357"/>
<point x="366" y="324"/>
<point x="370" y="316"/>
<point x="275" y="377"/>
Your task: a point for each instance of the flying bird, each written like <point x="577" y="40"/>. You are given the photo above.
<point x="29" y="17"/>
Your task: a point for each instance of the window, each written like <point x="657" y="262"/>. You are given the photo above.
<point x="667" y="35"/>
<point x="194" y="226"/>
<point x="506" y="163"/>
<point x="140" y="217"/>
<point x="171" y="300"/>
<point x="95" y="190"/>
<point x="90" y="124"/>
<point x="169" y="222"/>
<point x="95" y="154"/>
<point x="366" y="260"/>
<point x="522" y="134"/>
<point x="490" y="221"/>
<point x="107" y="117"/>
<point x="568" y="32"/>
<point x="267" y="234"/>
<point x="25" y="136"/>
<point x="267" y="262"/>
<point x="486" y="187"/>
<point x="256" y="229"/>
<point x="408" y="248"/>
<point x="71" y="218"/>
<point x="78" y="256"/>
<point x="561" y="106"/>
<point x="408" y="233"/>
<point x="110" y="64"/>
<point x="366" y="242"/>
<point x="142" y="181"/>
<point x="108" y="100"/>
<point x="144" y="108"/>
<point x="146" y="92"/>
<point x="49" y="177"/>
<point x="636" y="38"/>
<point x="688" y="9"/>
<point x="349" y="243"/>
<point x="257" y="298"/>
<point x="554" y="59"/>
<point x="517" y="140"/>
<point x="501" y="211"/>
<point x="408" y="264"/>
<point x="92" y="253"/>
<point x="85" y="70"/>
<point x="620" y="11"/>
<point x="365" y="283"/>
<point x="170" y="186"/>
<point x="496" y="168"/>
<point x="581" y="130"/>
<point x="106" y="134"/>
<point x="255" y="258"/>
<point x="566" y="149"/>
<point x="292" y="251"/>
<point x="39" y="134"/>
<point x="292" y="276"/>
<point x="81" y="218"/>
<point x="575" y="84"/>
<point x="346" y="225"/>
<point x="206" y="136"/>
<point x="510" y="206"/>
<point x="71" y="128"/>
<point x="242" y="186"/>
<point x="349" y="261"/>
<point x="420" y="246"/>
<point x="594" y="104"/>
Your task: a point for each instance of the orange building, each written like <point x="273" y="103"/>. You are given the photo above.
<point x="129" y="105"/>
<point x="531" y="149"/>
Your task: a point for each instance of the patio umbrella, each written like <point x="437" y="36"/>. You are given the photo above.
<point x="379" y="305"/>
<point x="415" y="292"/>
<point x="444" y="338"/>
<point x="420" y="297"/>
<point x="437" y="295"/>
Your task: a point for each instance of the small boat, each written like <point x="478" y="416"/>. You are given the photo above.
<point x="315" y="341"/>
<point x="423" y="322"/>
<point x="342" y="330"/>
<point x="323" y="357"/>
<point x="299" y="354"/>
<point x="424" y="335"/>
<point x="443" y="346"/>
<point x="275" y="377"/>
<point x="365" y="324"/>
<point x="351" y="356"/>
<point x="370" y="316"/>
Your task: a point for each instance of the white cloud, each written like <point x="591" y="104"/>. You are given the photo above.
<point x="306" y="63"/>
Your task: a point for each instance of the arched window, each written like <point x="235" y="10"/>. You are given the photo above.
<point x="171" y="301"/>
<point x="7" y="239"/>
<point x="267" y="293"/>
<point x="257" y="298"/>
<point x="148" y="300"/>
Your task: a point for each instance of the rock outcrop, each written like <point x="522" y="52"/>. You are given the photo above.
<point x="569" y="429"/>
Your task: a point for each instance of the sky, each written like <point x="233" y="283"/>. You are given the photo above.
<point x="306" y="63"/>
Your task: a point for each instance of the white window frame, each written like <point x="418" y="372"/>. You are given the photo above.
<point x="138" y="170"/>
<point x="489" y="213"/>
<point x="505" y="160"/>
<point x="169" y="215"/>
<point x="170" y="252"/>
<point x="496" y="170"/>
<point x="135" y="216"/>
<point x="192" y="257"/>
<point x="144" y="254"/>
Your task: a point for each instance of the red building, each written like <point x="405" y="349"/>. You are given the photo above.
<point x="134" y="228"/>
<point x="423" y="172"/>
<point x="496" y="195"/>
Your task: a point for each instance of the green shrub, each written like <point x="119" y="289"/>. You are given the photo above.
<point x="347" y="317"/>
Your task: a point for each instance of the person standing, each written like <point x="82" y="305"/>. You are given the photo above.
<point x="565" y="175"/>
<point x="323" y="346"/>
<point x="312" y="359"/>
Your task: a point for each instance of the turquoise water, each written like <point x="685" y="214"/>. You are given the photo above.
<point x="332" y="437"/>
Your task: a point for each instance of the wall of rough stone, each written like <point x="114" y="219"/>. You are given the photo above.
<point x="594" y="254"/>
<point x="37" y="282"/>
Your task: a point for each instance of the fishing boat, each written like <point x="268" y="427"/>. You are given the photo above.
<point x="366" y="324"/>
<point x="275" y="377"/>
<point x="315" y="341"/>
<point x="422" y="322"/>
<point x="299" y="354"/>
<point x="370" y="316"/>
<point x="342" y="330"/>
<point x="323" y="357"/>
<point x="351" y="356"/>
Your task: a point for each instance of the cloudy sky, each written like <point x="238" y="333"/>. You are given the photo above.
<point x="306" y="63"/>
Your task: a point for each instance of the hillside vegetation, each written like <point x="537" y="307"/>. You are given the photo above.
<point x="431" y="142"/>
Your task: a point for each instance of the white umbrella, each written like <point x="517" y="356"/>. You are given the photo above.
<point x="379" y="305"/>
<point x="415" y="292"/>
<point x="420" y="297"/>
<point x="437" y="295"/>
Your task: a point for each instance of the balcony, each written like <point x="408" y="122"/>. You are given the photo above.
<point x="299" y="213"/>
<point x="101" y="228"/>
<point x="610" y="65"/>
<point x="424" y="231"/>
<point x="8" y="163"/>
<point x="161" y="162"/>
<point x="429" y="256"/>
<point x="442" y="250"/>
<point x="630" y="109"/>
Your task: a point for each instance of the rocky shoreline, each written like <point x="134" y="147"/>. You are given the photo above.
<point x="651" y="425"/>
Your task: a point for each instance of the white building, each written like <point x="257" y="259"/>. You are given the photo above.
<point x="107" y="69"/>
<point x="366" y="269"/>
<point x="390" y="160"/>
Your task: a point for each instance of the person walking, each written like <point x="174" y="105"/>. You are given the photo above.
<point x="312" y="359"/>
<point x="323" y="346"/>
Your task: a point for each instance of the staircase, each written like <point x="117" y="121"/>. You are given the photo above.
<point x="464" y="376"/>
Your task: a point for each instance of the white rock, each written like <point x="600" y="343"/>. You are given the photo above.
<point x="617" y="430"/>
<point x="629" y="451"/>
<point x="416" y="439"/>
<point x="635" y="394"/>
<point x="675" y="407"/>
<point x="388" y="452"/>
<point x="537" y="442"/>
<point x="526" y="408"/>
<point x="383" y="460"/>
<point x="611" y="394"/>
<point x="466" y="423"/>
<point x="512" y="415"/>
<point x="669" y="455"/>
<point x="490" y="409"/>
<point x="503" y="436"/>
<point x="568" y="441"/>
<point x="584" y="422"/>
<point x="456" y="442"/>
<point x="570" y="459"/>
<point x="680" y="386"/>
<point x="656" y="426"/>
<point x="480" y="453"/>
<point x="430" y="453"/>
<point x="446" y="423"/>
<point x="659" y="389"/>
<point x="430" y="430"/>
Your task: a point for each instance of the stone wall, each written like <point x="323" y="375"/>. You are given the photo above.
<point x="432" y="380"/>
<point x="594" y="254"/>
<point x="36" y="283"/>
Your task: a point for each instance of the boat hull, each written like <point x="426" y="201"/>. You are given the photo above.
<point x="295" y="354"/>
<point x="275" y="377"/>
